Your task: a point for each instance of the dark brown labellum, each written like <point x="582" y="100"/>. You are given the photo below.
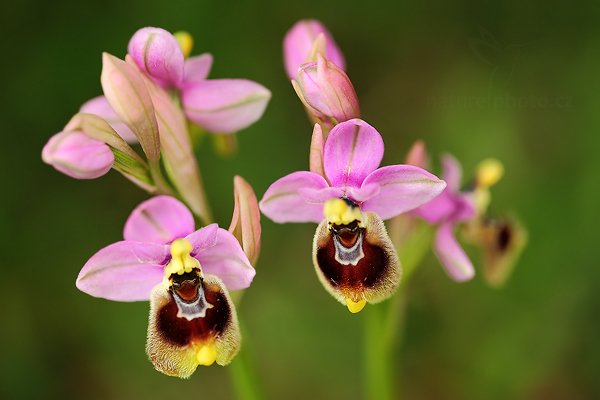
<point x="356" y="262"/>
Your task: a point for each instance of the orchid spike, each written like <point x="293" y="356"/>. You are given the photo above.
<point x="352" y="252"/>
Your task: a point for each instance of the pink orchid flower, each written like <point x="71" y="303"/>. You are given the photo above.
<point x="448" y="210"/>
<point x="352" y="253"/>
<point x="186" y="275"/>
<point x="218" y="105"/>
<point x="299" y="43"/>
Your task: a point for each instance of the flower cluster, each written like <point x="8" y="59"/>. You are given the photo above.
<point x="346" y="193"/>
<point x="150" y="99"/>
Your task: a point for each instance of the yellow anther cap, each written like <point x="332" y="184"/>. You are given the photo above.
<point x="181" y="261"/>
<point x="489" y="172"/>
<point x="186" y="42"/>
<point x="355" y="306"/>
<point x="339" y="212"/>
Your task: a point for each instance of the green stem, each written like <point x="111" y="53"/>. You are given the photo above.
<point x="243" y="377"/>
<point x="378" y="377"/>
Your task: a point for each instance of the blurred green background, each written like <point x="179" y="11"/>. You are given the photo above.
<point x="514" y="80"/>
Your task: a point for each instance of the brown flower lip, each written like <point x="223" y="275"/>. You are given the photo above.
<point x="356" y="262"/>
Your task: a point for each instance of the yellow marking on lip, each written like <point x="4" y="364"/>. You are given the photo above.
<point x="186" y="42"/>
<point x="355" y="306"/>
<point x="207" y="354"/>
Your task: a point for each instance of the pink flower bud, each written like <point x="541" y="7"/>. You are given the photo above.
<point x="299" y="42"/>
<point x="77" y="155"/>
<point x="157" y="53"/>
<point x="327" y="92"/>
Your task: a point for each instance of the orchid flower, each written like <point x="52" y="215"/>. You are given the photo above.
<point x="348" y="196"/>
<point x="218" y="105"/>
<point x="448" y="210"/>
<point x="303" y="40"/>
<point x="186" y="275"/>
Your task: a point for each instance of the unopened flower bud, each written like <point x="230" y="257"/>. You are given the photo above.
<point x="158" y="54"/>
<point x="75" y="154"/>
<point x="327" y="92"/>
<point x="299" y="43"/>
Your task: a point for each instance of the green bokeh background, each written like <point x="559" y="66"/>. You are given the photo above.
<point x="514" y="80"/>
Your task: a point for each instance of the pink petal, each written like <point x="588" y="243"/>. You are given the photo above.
<point x="124" y="88"/>
<point x="157" y="53"/>
<point x="161" y="219"/>
<point x="225" y="105"/>
<point x="352" y="151"/>
<point x="124" y="271"/>
<point x="451" y="255"/>
<point x="227" y="260"/>
<point x="401" y="188"/>
<point x="75" y="154"/>
<point x="196" y="69"/>
<point x="452" y="172"/>
<point x="245" y="221"/>
<point x="438" y="209"/>
<point x="99" y="106"/>
<point x="288" y="199"/>
<point x="298" y="44"/>
<point x="203" y="238"/>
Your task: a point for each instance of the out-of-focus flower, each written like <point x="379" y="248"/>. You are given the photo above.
<point x="245" y="221"/>
<point x="299" y="44"/>
<point x="326" y="92"/>
<point x="452" y="207"/>
<point x="75" y="154"/>
<point x="352" y="253"/>
<point x="218" y="105"/>
<point x="185" y="274"/>
<point x="501" y="241"/>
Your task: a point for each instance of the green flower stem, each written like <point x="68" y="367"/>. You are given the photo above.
<point x="377" y="362"/>
<point x="385" y="323"/>
<point x="243" y="377"/>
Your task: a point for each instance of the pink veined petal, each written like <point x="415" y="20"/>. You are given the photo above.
<point x="124" y="271"/>
<point x="75" y="154"/>
<point x="352" y="151"/>
<point x="227" y="260"/>
<point x="203" y="238"/>
<point x="417" y="155"/>
<point x="225" y="105"/>
<point x="196" y="69"/>
<point x="362" y="194"/>
<point x="160" y="219"/>
<point x="298" y="44"/>
<point x="452" y="172"/>
<point x="157" y="53"/>
<point x="99" y="106"/>
<point x="401" y="188"/>
<point x="283" y="201"/>
<point x="451" y="255"/>
<point x="320" y="196"/>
